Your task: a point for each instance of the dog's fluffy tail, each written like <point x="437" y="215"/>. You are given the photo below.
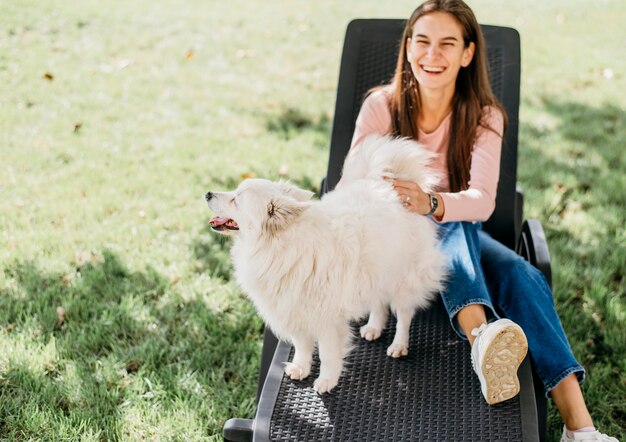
<point x="391" y="157"/>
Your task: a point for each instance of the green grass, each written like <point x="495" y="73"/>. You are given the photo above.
<point x="116" y="118"/>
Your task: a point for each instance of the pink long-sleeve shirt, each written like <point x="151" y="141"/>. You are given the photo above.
<point x="478" y="201"/>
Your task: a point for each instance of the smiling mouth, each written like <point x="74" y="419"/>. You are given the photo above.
<point x="432" y="69"/>
<point x="220" y="224"/>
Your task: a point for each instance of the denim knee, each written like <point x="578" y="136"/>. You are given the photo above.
<point x="465" y="283"/>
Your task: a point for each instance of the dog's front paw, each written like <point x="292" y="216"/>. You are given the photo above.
<point x="296" y="372"/>
<point x="370" y="333"/>
<point x="323" y="385"/>
<point x="396" y="350"/>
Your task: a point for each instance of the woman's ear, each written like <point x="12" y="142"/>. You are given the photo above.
<point x="468" y="54"/>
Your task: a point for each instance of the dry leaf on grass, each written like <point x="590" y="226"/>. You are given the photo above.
<point x="68" y="278"/>
<point x="60" y="316"/>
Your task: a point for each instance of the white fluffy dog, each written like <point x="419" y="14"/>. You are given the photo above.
<point x="311" y="267"/>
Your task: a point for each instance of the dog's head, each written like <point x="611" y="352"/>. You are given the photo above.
<point x="258" y="206"/>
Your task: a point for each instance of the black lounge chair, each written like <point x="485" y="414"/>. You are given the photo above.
<point x="432" y="394"/>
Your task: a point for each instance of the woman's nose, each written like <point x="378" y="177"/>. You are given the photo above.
<point x="433" y="50"/>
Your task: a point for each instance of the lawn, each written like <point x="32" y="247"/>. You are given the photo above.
<point x="118" y="316"/>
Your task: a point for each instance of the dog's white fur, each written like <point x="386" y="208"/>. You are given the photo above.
<point x="311" y="267"/>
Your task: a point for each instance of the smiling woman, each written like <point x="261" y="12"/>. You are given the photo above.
<point x="436" y="53"/>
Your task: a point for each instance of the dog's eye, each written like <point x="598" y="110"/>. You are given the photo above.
<point x="233" y="201"/>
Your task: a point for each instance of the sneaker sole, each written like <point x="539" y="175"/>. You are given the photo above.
<point x="506" y="352"/>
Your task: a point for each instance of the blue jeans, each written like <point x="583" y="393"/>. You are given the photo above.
<point x="483" y="271"/>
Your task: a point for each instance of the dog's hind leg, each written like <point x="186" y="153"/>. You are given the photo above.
<point x="333" y="344"/>
<point x="376" y="322"/>
<point x="404" y="314"/>
<point x="300" y="367"/>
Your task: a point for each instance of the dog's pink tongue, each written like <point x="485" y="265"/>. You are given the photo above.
<point x="218" y="221"/>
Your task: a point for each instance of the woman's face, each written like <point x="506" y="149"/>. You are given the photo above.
<point x="436" y="51"/>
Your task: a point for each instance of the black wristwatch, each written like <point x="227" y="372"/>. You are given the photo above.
<point x="434" y="203"/>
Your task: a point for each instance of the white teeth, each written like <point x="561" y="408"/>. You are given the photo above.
<point x="433" y="69"/>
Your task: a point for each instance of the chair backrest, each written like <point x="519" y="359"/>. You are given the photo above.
<point x="369" y="58"/>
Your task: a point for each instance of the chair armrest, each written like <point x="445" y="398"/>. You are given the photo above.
<point x="238" y="430"/>
<point x="532" y="245"/>
<point x="323" y="187"/>
<point x="518" y="215"/>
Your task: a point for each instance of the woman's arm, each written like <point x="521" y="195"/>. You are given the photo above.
<point x="474" y="204"/>
<point x="374" y="118"/>
<point x="479" y="200"/>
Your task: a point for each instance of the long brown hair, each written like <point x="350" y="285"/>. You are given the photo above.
<point x="472" y="92"/>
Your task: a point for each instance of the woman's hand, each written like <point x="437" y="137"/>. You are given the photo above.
<point x="414" y="198"/>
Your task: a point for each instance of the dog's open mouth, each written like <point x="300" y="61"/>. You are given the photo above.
<point x="221" y="224"/>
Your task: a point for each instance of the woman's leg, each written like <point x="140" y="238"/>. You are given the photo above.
<point x="521" y="293"/>
<point x="498" y="348"/>
<point x="469" y="318"/>
<point x="568" y="398"/>
<point x="465" y="296"/>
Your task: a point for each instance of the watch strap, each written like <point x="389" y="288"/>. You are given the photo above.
<point x="434" y="204"/>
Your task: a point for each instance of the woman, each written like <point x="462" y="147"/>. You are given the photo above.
<point x="440" y="95"/>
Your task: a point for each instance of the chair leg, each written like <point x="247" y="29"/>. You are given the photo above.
<point x="269" y="347"/>
<point x="238" y="430"/>
<point x="542" y="406"/>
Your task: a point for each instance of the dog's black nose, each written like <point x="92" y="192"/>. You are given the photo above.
<point x="208" y="196"/>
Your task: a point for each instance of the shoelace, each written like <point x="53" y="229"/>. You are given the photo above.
<point x="479" y="331"/>
<point x="476" y="332"/>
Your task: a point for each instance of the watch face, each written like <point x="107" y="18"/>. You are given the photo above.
<point x="433" y="204"/>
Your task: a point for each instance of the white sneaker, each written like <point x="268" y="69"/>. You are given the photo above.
<point x="588" y="435"/>
<point x="498" y="351"/>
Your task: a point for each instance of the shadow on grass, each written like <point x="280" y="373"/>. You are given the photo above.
<point x="576" y="172"/>
<point x="291" y="121"/>
<point x="126" y="344"/>
<point x="580" y="165"/>
<point x="590" y="148"/>
<point x="584" y="172"/>
<point x="602" y="129"/>
<point x="212" y="252"/>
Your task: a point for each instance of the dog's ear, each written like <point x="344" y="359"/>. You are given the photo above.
<point x="281" y="212"/>
<point x="295" y="192"/>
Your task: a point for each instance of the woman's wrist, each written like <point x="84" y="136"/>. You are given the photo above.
<point x="432" y="204"/>
<point x="424" y="204"/>
<point x="440" y="210"/>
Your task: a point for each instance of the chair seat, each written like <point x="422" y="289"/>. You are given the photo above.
<point x="431" y="394"/>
